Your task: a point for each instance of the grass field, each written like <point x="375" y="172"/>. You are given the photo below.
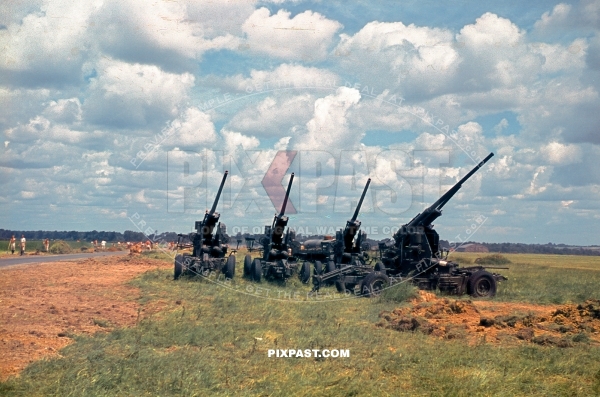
<point x="33" y="245"/>
<point x="545" y="279"/>
<point x="212" y="340"/>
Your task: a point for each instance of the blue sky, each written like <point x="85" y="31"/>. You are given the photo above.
<point x="102" y="104"/>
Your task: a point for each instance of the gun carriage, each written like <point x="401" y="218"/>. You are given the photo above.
<point x="414" y="254"/>
<point x="346" y="257"/>
<point x="277" y="261"/>
<point x="209" y="246"/>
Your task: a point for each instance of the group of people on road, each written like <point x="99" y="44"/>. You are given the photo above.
<point x="102" y="244"/>
<point x="13" y="242"/>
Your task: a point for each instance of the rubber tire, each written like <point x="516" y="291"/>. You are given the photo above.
<point x="373" y="284"/>
<point x="247" y="266"/>
<point x="229" y="268"/>
<point x="343" y="288"/>
<point x="330" y="267"/>
<point x="305" y="273"/>
<point x="482" y="284"/>
<point x="178" y="267"/>
<point x="379" y="267"/>
<point x="256" y="270"/>
<point x="318" y="268"/>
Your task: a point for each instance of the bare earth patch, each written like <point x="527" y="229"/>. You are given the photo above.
<point x="498" y="322"/>
<point x="42" y="305"/>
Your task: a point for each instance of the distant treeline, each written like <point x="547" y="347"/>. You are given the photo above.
<point x="519" y="248"/>
<point x="541" y="249"/>
<point x="128" y="235"/>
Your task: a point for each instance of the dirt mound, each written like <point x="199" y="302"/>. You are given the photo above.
<point x="497" y="322"/>
<point x="494" y="259"/>
<point x="60" y="247"/>
<point x="427" y="316"/>
<point x="136" y="249"/>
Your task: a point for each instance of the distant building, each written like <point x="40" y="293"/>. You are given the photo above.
<point x="472" y="248"/>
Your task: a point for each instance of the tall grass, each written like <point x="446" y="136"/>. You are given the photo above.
<point x="401" y="292"/>
<point x="213" y="341"/>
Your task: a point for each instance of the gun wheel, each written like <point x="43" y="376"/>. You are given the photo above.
<point x="328" y="269"/>
<point x="305" y="272"/>
<point x="318" y="267"/>
<point x="178" y="267"/>
<point x="247" y="266"/>
<point x="344" y="288"/>
<point x="482" y="285"/>
<point x="256" y="270"/>
<point x="229" y="268"/>
<point x="373" y="284"/>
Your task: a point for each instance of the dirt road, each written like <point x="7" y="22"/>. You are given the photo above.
<point x="28" y="259"/>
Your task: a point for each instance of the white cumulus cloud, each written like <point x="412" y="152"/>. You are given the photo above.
<point x="307" y="36"/>
<point x="128" y="95"/>
<point x="329" y="127"/>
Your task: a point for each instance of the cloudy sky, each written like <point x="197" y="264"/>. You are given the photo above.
<point x="118" y="112"/>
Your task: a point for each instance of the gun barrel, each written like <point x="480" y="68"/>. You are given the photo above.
<point x="435" y="210"/>
<point x="214" y="207"/>
<point x="287" y="195"/>
<point x="450" y="193"/>
<point x="360" y="202"/>
<point x="474" y="170"/>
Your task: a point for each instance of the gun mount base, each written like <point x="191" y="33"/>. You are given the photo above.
<point x="187" y="265"/>
<point x="281" y="269"/>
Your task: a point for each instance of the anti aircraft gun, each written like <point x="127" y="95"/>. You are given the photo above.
<point x="346" y="256"/>
<point x="277" y="261"/>
<point x="415" y="252"/>
<point x="209" y="250"/>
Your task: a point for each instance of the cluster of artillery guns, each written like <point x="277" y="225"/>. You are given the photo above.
<point x="412" y="254"/>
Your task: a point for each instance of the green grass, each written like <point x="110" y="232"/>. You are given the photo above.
<point x="211" y="340"/>
<point x="545" y="279"/>
<point x="401" y="292"/>
<point x="30" y="246"/>
<point x="33" y="245"/>
<point x="159" y="254"/>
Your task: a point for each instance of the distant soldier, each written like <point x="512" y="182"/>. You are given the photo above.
<point x="11" y="245"/>
<point x="47" y="245"/>
<point x="23" y="241"/>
